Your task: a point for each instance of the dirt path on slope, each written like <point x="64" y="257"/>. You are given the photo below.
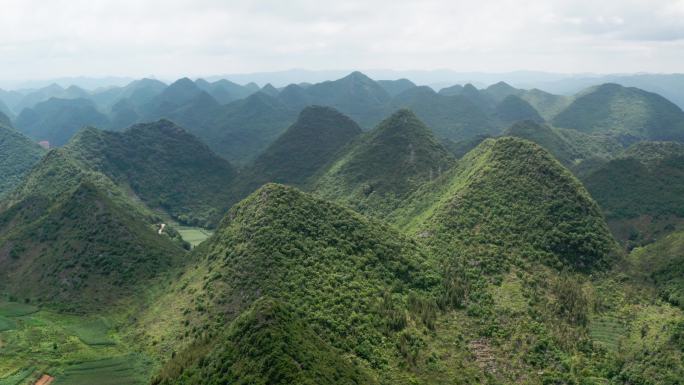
<point x="45" y="380"/>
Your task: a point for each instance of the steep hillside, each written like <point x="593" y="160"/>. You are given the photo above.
<point x="355" y="95"/>
<point x="57" y="120"/>
<point x="309" y="144"/>
<point x="323" y="261"/>
<point x="165" y="166"/>
<point x="514" y="197"/>
<point x="268" y="344"/>
<point x="629" y="113"/>
<point x="224" y="91"/>
<point x="662" y="263"/>
<point x="500" y="91"/>
<point x="4" y="118"/>
<point x="514" y="109"/>
<point x="241" y="130"/>
<point x="385" y="165"/>
<point x="642" y="191"/>
<point x="451" y="117"/>
<point x="18" y="154"/>
<point x="32" y="98"/>
<point x="547" y="138"/>
<point x="548" y="105"/>
<point x="395" y="87"/>
<point x="85" y="252"/>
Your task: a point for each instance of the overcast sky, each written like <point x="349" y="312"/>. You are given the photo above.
<point x="42" y="39"/>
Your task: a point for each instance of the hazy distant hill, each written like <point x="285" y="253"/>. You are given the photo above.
<point x="452" y="117"/>
<point x="309" y="144"/>
<point x="57" y="120"/>
<point x="628" y="113"/>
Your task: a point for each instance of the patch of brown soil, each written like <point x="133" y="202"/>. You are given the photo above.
<point x="45" y="380"/>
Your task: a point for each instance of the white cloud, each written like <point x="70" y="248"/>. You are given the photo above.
<point x="40" y="38"/>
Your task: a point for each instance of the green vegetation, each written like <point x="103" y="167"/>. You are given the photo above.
<point x="384" y="165"/>
<point x="194" y="235"/>
<point x="241" y="130"/>
<point x="57" y="120"/>
<point x="402" y="266"/>
<point x="127" y="369"/>
<point x="342" y="264"/>
<point x="663" y="263"/>
<point x="92" y="332"/>
<point x="511" y="195"/>
<point x="309" y="144"/>
<point x="451" y="117"/>
<point x="628" y="113"/>
<point x="268" y="344"/>
<point x="514" y="109"/>
<point x="17" y="155"/>
<point x="86" y="252"/>
<point x="641" y="192"/>
<point x="163" y="165"/>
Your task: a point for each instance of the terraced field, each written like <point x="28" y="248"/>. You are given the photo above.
<point x="123" y="370"/>
<point x="608" y="331"/>
<point x="73" y="349"/>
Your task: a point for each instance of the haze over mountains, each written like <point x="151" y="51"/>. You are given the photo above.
<point x="342" y="231"/>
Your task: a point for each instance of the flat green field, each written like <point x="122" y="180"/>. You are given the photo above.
<point x="15" y="309"/>
<point x="194" y="235"/>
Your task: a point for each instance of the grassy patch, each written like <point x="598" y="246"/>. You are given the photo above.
<point x="124" y="370"/>
<point x="608" y="331"/>
<point x="14" y="309"/>
<point x="17" y="377"/>
<point x="7" y="324"/>
<point x="92" y="332"/>
<point x="194" y="235"/>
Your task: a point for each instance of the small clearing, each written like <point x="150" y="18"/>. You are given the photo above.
<point x="45" y="380"/>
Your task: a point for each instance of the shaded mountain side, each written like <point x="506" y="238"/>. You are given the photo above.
<point x="355" y="95"/>
<point x="267" y="344"/>
<point x="57" y="120"/>
<point x="548" y="105"/>
<point x="662" y="264"/>
<point x="241" y="130"/>
<point x="395" y="87"/>
<point x="225" y="91"/>
<point x="384" y="165"/>
<point x="32" y="98"/>
<point x="514" y="197"/>
<point x="546" y="137"/>
<point x="514" y="109"/>
<point x="4" y="118"/>
<point x="628" y="113"/>
<point x="309" y="144"/>
<point x="137" y="92"/>
<point x="83" y="252"/>
<point x="450" y="117"/>
<point x="498" y="92"/>
<point x="462" y="147"/>
<point x="18" y="154"/>
<point x="641" y="192"/>
<point x="166" y="167"/>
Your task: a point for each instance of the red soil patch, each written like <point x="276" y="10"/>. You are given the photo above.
<point x="45" y="380"/>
